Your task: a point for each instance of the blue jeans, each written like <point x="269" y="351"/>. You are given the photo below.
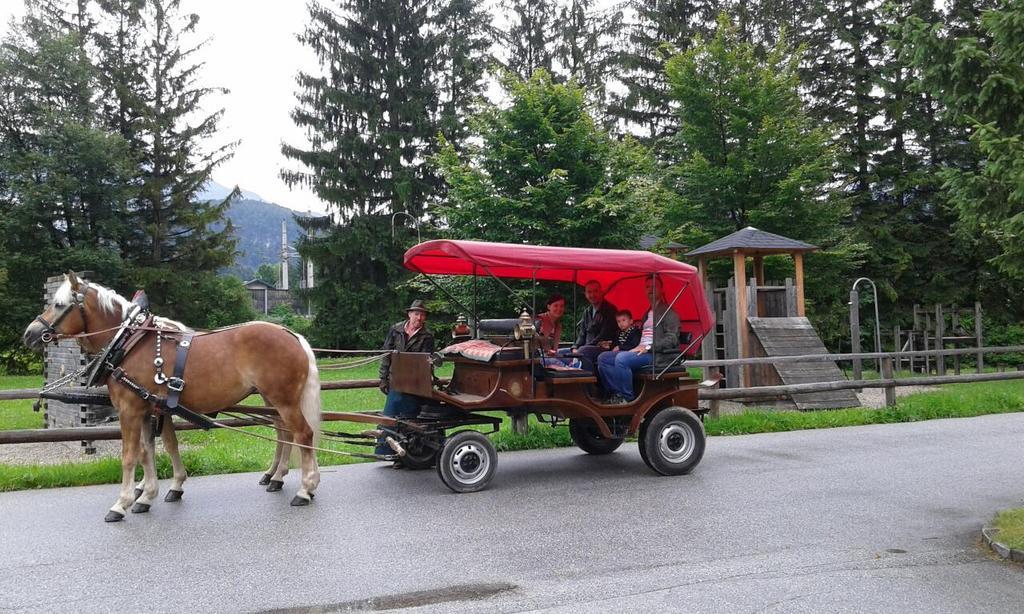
<point x="616" y="370"/>
<point x="397" y="405"/>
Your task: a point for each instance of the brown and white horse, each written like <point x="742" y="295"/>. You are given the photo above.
<point x="223" y="367"/>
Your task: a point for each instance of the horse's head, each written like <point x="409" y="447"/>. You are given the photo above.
<point x="68" y="314"/>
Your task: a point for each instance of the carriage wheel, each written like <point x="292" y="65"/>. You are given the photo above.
<point x="585" y="435"/>
<point x="672" y="440"/>
<point x="467" y="462"/>
<point x="421" y="450"/>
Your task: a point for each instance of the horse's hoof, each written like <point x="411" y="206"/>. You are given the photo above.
<point x="265" y="479"/>
<point x="113" y="516"/>
<point x="300" y="501"/>
<point x="275" y="486"/>
<point x="138" y="493"/>
<point x="173" y="496"/>
<point x="140" y="508"/>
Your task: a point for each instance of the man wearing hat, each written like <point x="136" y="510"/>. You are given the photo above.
<point x="411" y="335"/>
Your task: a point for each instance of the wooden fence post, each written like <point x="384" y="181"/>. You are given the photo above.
<point x="855" y="332"/>
<point x="890" y="391"/>
<point x="940" y="344"/>
<point x="977" y="335"/>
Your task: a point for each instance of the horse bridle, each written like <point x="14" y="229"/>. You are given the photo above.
<point x="77" y="300"/>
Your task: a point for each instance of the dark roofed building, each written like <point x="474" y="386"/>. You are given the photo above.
<point x="648" y="242"/>
<point x="752" y="242"/>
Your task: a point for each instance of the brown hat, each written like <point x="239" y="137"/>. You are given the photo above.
<point x="418" y="305"/>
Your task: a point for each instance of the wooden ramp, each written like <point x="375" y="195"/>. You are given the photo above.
<point x="793" y="337"/>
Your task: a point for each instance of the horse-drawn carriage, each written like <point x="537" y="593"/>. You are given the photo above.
<point x="514" y="377"/>
<point x="226" y="365"/>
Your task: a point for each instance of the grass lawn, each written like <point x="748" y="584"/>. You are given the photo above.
<point x="221" y="451"/>
<point x="1011" y="528"/>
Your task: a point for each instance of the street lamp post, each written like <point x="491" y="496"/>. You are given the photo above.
<point x="855" y="325"/>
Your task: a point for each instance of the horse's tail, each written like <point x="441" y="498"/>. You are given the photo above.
<point x="310" y="401"/>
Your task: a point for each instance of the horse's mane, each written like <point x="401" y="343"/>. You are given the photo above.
<point x="110" y="302"/>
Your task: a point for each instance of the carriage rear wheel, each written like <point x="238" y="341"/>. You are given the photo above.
<point x="467" y="462"/>
<point x="585" y="435"/>
<point x="672" y="440"/>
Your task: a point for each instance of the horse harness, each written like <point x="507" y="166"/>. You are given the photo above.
<point x="134" y="329"/>
<point x="77" y="300"/>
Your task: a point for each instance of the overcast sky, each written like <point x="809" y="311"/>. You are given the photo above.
<point x="253" y="53"/>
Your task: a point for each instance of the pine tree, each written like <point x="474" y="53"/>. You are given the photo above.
<point x="150" y="73"/>
<point x="371" y="117"/>
<point x="63" y="178"/>
<point x="584" y="49"/>
<point x="977" y="76"/>
<point x="530" y="37"/>
<point x="464" y="31"/>
<point x="659" y="28"/>
<point x="368" y="113"/>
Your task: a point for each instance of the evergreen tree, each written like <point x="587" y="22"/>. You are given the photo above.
<point x="980" y="82"/>
<point x="464" y="30"/>
<point x="530" y="37"/>
<point x="370" y="115"/>
<point x="63" y="179"/>
<point x="658" y="29"/>
<point x="584" y="48"/>
<point x="748" y="154"/>
<point x="546" y="174"/>
<point x="150" y="74"/>
<point x="368" y="112"/>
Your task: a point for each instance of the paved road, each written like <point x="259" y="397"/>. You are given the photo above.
<point x="865" y="519"/>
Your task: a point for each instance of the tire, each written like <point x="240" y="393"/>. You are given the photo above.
<point x="672" y="441"/>
<point x="467" y="462"/>
<point x="585" y="435"/>
<point x="421" y="451"/>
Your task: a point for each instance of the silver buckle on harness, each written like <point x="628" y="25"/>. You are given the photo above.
<point x="175" y="383"/>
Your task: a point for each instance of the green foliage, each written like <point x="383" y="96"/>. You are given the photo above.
<point x="1011" y="528"/>
<point x="359" y="299"/>
<point x="547" y="175"/>
<point x="101" y="156"/>
<point x="284" y="315"/>
<point x="370" y="122"/>
<point x="656" y="31"/>
<point x="202" y="299"/>
<point x="980" y="79"/>
<point x="747" y="154"/>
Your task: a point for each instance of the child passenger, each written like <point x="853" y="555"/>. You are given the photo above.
<point x="629" y="332"/>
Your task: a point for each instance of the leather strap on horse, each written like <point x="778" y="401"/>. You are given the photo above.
<point x="175" y="383"/>
<point x="185" y="413"/>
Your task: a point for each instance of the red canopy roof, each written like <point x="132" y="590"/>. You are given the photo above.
<point x="620" y="272"/>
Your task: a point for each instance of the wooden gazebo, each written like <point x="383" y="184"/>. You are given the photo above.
<point x="758" y="318"/>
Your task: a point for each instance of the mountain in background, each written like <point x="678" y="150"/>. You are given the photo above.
<point x="258" y="229"/>
<point x="219" y="191"/>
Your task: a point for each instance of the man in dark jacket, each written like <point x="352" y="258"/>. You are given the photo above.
<point x="411" y="335"/>
<point x="598" y="324"/>
<point x="659" y="343"/>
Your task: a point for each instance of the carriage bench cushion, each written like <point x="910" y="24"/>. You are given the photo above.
<point x="482" y="350"/>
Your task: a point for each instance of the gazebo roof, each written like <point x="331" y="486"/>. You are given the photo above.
<point x="752" y="241"/>
<point x="648" y="241"/>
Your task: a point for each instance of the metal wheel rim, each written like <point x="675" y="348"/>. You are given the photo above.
<point x="676" y="442"/>
<point x="463" y="467"/>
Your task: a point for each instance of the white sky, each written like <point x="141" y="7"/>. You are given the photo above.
<point x="252" y="52"/>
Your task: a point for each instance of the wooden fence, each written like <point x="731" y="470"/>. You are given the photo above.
<point x="887" y="381"/>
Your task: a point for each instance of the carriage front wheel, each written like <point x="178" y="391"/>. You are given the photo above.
<point x="672" y="440"/>
<point x="467" y="462"/>
<point x="585" y="435"/>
